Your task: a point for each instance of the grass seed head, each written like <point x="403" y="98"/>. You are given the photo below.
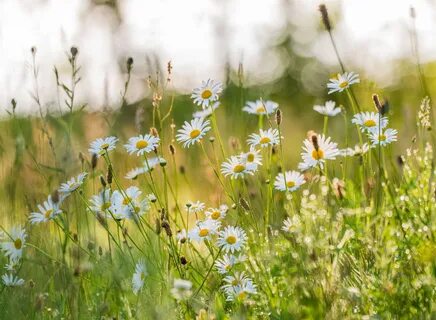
<point x="325" y="17"/>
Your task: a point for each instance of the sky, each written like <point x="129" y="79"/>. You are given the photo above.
<point x="198" y="36"/>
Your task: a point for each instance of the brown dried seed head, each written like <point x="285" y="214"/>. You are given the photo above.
<point x="278" y="117"/>
<point x="325" y="17"/>
<point x="109" y="175"/>
<point x="94" y="161"/>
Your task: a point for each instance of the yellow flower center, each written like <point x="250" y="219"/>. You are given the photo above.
<point x="48" y="213"/>
<point x="242" y="295"/>
<point x="105" y="145"/>
<point x="290" y="184"/>
<point x="105" y="206"/>
<point x="250" y="157"/>
<point x="369" y="123"/>
<point x="203" y="232"/>
<point x="18" y="244"/>
<point x="227" y="267"/>
<point x="343" y="84"/>
<point x="260" y="109"/>
<point x="382" y="137"/>
<point x="141" y="144"/>
<point x="126" y="201"/>
<point x="194" y="133"/>
<point x="142" y="276"/>
<point x="235" y="282"/>
<point x="206" y="94"/>
<point x="238" y="168"/>
<point x="231" y="239"/>
<point x="264" y="140"/>
<point x="317" y="154"/>
<point x="215" y="215"/>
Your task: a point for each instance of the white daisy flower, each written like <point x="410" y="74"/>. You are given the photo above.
<point x="265" y="138"/>
<point x="142" y="144"/>
<point x="13" y="243"/>
<point x="292" y="225"/>
<point x="261" y="107"/>
<point x="207" y="93"/>
<point x="12" y="265"/>
<point x="290" y="181"/>
<point x="193" y="132"/>
<point x="383" y="138"/>
<point x="128" y="205"/>
<point x="369" y="121"/>
<point x="328" y="109"/>
<point x="139" y="277"/>
<point x="317" y="151"/>
<point x="195" y="207"/>
<point x="148" y="165"/>
<point x="102" y="145"/>
<point x="232" y="239"/>
<point x="73" y="184"/>
<point x="235" y="167"/>
<point x="134" y="173"/>
<point x="181" y="289"/>
<point x="151" y="163"/>
<point x="182" y="236"/>
<point x="252" y="158"/>
<point x="216" y="213"/>
<point x="47" y="211"/>
<point x="203" y="114"/>
<point x="10" y="280"/>
<point x="204" y="230"/>
<point x="240" y="292"/>
<point x="227" y="262"/>
<point x="356" y="151"/>
<point x="101" y="202"/>
<point x="342" y="82"/>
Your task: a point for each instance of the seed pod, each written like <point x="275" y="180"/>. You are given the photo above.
<point x="103" y="182"/>
<point x="244" y="204"/>
<point x="129" y="64"/>
<point x="154" y="132"/>
<point x="325" y="17"/>
<point x="74" y="51"/>
<point x="172" y="149"/>
<point x="278" y="117"/>
<point x="109" y="175"/>
<point x="94" y="160"/>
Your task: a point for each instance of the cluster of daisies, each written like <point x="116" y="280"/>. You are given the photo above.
<point x="12" y="245"/>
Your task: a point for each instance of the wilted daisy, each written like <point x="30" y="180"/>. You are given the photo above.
<point x="226" y="263"/>
<point x="290" y="181"/>
<point x="292" y="224"/>
<point x="101" y="202"/>
<point x="142" y="144"/>
<point x="102" y="145"/>
<point x="13" y="243"/>
<point x="316" y="151"/>
<point x="9" y="280"/>
<point x="181" y="289"/>
<point x="73" y="184"/>
<point x="47" y="211"/>
<point x="139" y="277"/>
<point x="232" y="239"/>
<point x="369" y="121"/>
<point x="204" y="230"/>
<point x="328" y="109"/>
<point x="207" y="93"/>
<point x="195" y="207"/>
<point x="252" y="158"/>
<point x="203" y="114"/>
<point x="216" y="213"/>
<point x="342" y="81"/>
<point x="261" y="107"/>
<point x="193" y="132"/>
<point x="235" y="167"/>
<point x="383" y="138"/>
<point x="356" y="151"/>
<point x="128" y="205"/>
<point x="264" y="138"/>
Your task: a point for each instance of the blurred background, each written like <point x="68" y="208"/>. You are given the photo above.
<point x="273" y="40"/>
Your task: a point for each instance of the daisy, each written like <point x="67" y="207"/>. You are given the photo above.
<point x="235" y="167"/>
<point x="227" y="262"/>
<point x="203" y="114"/>
<point x="264" y="138"/>
<point x="73" y="184"/>
<point x="135" y="173"/>
<point x="182" y="236"/>
<point x="383" y="138"/>
<point x="101" y="202"/>
<point x="240" y="292"/>
<point x="207" y="93"/>
<point x="356" y="151"/>
<point x="369" y="121"/>
<point x="204" y="230"/>
<point x="195" y="207"/>
<point x="13" y="244"/>
<point x="151" y="163"/>
<point x="139" y="277"/>
<point x="142" y="144"/>
<point x="232" y="239"/>
<point x="252" y="158"/>
<point x="47" y="211"/>
<point x="290" y="181"/>
<point x="317" y="151"/>
<point x="342" y="81"/>
<point x="261" y="107"/>
<point x="128" y="204"/>
<point x="216" y="213"/>
<point x="181" y="289"/>
<point x="292" y="225"/>
<point x="193" y="132"/>
<point x="239" y="278"/>
<point x="328" y="109"/>
<point x="10" y="280"/>
<point x="12" y="265"/>
<point x="102" y="145"/>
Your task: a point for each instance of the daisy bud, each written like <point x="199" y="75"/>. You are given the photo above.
<point x="267" y="181"/>
<point x="234" y="206"/>
<point x="183" y="261"/>
<point x="109" y="175"/>
<point x="55" y="196"/>
<point x="152" y="198"/>
<point x="212" y="139"/>
<point x="188" y="205"/>
<point x="244" y="204"/>
<point x="94" y="160"/>
<point x="162" y="162"/>
<point x="278" y="117"/>
<point x="74" y="51"/>
<point x="129" y="63"/>
<point x="172" y="149"/>
<point x="325" y="17"/>
<point x="103" y="182"/>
